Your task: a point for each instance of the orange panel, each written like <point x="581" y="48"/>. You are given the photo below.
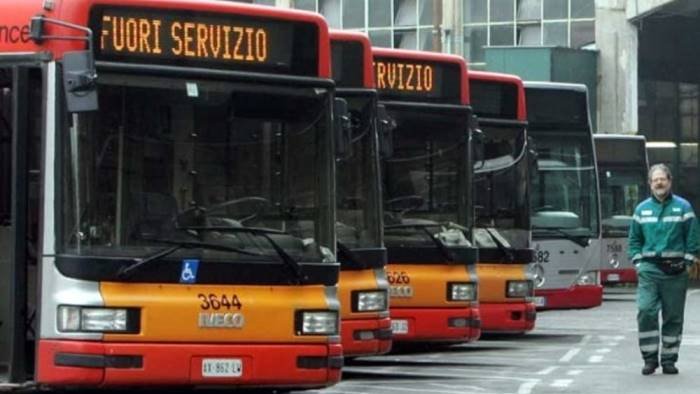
<point x="176" y="313"/>
<point x="424" y="286"/>
<point x="493" y="278"/>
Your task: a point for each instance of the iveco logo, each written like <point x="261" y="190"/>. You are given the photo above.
<point x="221" y="320"/>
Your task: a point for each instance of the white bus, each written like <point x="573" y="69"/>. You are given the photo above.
<point x="565" y="213"/>
<point x="622" y="172"/>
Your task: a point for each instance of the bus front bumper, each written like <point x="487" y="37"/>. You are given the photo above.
<point x="436" y="324"/>
<point x="508" y="317"/>
<point x="366" y="337"/>
<point x="614" y="276"/>
<point x="575" y="297"/>
<point x="109" y="364"/>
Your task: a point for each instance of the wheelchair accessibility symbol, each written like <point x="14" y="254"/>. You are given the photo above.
<point x="188" y="274"/>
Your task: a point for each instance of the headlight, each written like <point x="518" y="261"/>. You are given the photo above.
<point x="316" y="322"/>
<point x="91" y="319"/>
<point x="519" y="288"/>
<point x="369" y="301"/>
<point x="461" y="292"/>
<point x="589" y="278"/>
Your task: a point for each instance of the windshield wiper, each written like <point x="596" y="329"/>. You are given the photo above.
<point x="441" y="247"/>
<point x="292" y="264"/>
<point x="507" y="251"/>
<point x="581" y="240"/>
<point x="128" y="270"/>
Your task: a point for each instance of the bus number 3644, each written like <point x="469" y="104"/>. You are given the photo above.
<point x="216" y="302"/>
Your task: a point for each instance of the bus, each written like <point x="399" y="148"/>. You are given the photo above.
<point x="564" y="197"/>
<point x="172" y="211"/>
<point x="426" y="181"/>
<point x="363" y="290"/>
<point x="502" y="206"/>
<point x="622" y="172"/>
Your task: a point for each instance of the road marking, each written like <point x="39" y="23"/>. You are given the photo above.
<point x="458" y="387"/>
<point x="526" y="388"/>
<point x="561" y="383"/>
<point x="546" y="371"/>
<point x="570" y="355"/>
<point x="585" y="339"/>
<point x="603" y="350"/>
<point x="595" y="359"/>
<point x="613" y="337"/>
<point x="574" y="372"/>
<point x="691" y="292"/>
<point x="404" y="389"/>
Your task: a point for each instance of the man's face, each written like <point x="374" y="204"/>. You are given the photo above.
<point x="660" y="184"/>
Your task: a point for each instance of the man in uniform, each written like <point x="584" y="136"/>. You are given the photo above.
<point x="663" y="244"/>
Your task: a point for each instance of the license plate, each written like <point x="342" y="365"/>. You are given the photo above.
<point x="399" y="326"/>
<point x="540" y="301"/>
<point x="222" y="367"/>
<point x="613" y="277"/>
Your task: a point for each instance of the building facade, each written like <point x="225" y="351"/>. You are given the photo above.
<point x="647" y="80"/>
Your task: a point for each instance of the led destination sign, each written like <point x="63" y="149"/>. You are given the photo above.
<point x="185" y="38"/>
<point x="406" y="79"/>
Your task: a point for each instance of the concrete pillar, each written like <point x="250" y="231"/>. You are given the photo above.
<point x="616" y="39"/>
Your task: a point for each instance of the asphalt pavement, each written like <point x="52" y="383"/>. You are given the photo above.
<point x="577" y="351"/>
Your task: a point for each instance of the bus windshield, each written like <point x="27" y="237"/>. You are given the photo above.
<point x="501" y="202"/>
<point x="356" y="187"/>
<point x="621" y="189"/>
<point x="563" y="188"/>
<point x="168" y="160"/>
<point x="425" y="178"/>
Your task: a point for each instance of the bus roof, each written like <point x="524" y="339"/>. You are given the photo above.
<point x="610" y="136"/>
<point x="78" y="12"/>
<point x="362" y="40"/>
<point x="433" y="57"/>
<point x="628" y="150"/>
<point x="498" y="78"/>
<point x="556" y="105"/>
<point x="574" y="87"/>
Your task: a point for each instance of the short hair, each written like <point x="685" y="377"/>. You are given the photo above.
<point x="660" y="167"/>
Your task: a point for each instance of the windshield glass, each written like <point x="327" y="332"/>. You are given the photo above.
<point x="621" y="189"/>
<point x="500" y="186"/>
<point x="563" y="195"/>
<point x="170" y="159"/>
<point x="425" y="179"/>
<point x="357" y="186"/>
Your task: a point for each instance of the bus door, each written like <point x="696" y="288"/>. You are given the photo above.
<point x="20" y="118"/>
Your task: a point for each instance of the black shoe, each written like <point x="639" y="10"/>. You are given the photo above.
<point x="650" y="367"/>
<point x="669" y="369"/>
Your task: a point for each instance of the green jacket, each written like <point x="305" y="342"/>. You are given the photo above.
<point x="667" y="229"/>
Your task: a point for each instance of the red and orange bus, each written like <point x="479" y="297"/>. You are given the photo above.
<point x="427" y="196"/>
<point x="172" y="212"/>
<point x="362" y="286"/>
<point x="502" y="211"/>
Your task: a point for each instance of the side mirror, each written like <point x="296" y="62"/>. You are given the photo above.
<point x="342" y="128"/>
<point x="386" y="126"/>
<point x="80" y="81"/>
